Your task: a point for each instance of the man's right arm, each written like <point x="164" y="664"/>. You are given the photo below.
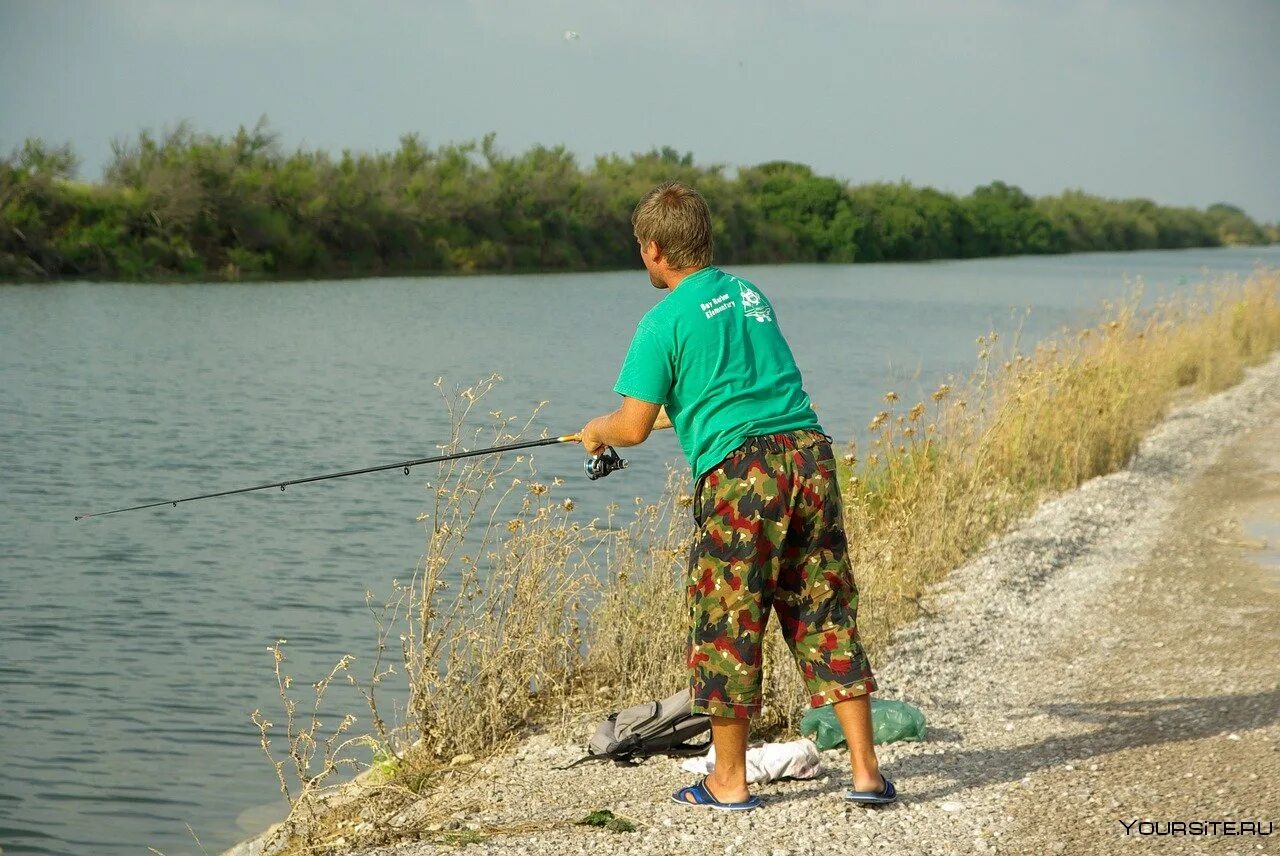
<point x="629" y="425"/>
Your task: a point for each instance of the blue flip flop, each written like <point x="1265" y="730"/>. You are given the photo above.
<point x="702" y="797"/>
<point x="885" y="795"/>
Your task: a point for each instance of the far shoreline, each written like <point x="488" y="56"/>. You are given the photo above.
<point x="257" y="279"/>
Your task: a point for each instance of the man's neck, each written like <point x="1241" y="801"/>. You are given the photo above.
<point x="678" y="276"/>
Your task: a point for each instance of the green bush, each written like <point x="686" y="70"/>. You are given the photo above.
<point x="187" y="204"/>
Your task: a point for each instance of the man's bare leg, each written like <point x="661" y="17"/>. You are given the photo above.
<point x="855" y="720"/>
<point x="728" y="781"/>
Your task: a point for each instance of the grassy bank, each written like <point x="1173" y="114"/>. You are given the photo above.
<point x="192" y="206"/>
<point x="551" y="617"/>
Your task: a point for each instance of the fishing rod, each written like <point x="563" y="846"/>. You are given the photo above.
<point x="596" y="466"/>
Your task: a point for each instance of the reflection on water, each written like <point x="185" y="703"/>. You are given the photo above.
<point x="1262" y="529"/>
<point x="1261" y="520"/>
<point x="135" y="645"/>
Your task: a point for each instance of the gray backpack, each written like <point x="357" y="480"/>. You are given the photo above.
<point x="654" y="728"/>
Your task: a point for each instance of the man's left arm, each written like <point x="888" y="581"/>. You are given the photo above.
<point x="629" y="425"/>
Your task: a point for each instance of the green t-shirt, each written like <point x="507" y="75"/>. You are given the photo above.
<point x="712" y="353"/>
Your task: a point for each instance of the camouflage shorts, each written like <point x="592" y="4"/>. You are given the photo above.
<point x="770" y="534"/>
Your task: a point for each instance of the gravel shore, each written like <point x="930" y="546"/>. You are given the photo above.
<point x="1113" y="659"/>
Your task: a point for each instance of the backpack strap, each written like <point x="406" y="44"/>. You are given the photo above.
<point x="682" y="750"/>
<point x="584" y="759"/>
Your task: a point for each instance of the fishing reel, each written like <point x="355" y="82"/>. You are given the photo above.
<point x="599" y="466"/>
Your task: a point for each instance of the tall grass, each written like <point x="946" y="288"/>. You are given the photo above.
<point x="552" y="618"/>
<point x="943" y="476"/>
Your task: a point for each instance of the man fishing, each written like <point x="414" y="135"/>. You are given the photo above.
<point x="710" y="361"/>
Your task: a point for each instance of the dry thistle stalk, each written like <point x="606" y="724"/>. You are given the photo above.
<point x="497" y="629"/>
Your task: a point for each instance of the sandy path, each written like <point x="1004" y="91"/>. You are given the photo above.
<point x="1168" y="707"/>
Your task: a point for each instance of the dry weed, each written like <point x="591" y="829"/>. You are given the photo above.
<point x="518" y="615"/>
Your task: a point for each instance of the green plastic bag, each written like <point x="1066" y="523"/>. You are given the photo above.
<point x="891" y="721"/>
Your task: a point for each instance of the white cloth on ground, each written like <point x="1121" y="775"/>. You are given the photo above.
<point x="797" y="759"/>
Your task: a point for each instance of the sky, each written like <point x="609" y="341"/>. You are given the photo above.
<point x="1172" y="100"/>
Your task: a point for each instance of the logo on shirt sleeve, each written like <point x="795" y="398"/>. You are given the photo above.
<point x="753" y="305"/>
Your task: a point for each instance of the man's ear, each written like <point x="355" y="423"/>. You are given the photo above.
<point x="653" y="252"/>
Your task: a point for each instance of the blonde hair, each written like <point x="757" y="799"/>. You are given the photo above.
<point x="677" y="217"/>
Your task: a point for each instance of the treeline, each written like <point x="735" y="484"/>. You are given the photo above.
<point x="194" y="205"/>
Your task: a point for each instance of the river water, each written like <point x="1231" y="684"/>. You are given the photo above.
<point x="134" y="645"/>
